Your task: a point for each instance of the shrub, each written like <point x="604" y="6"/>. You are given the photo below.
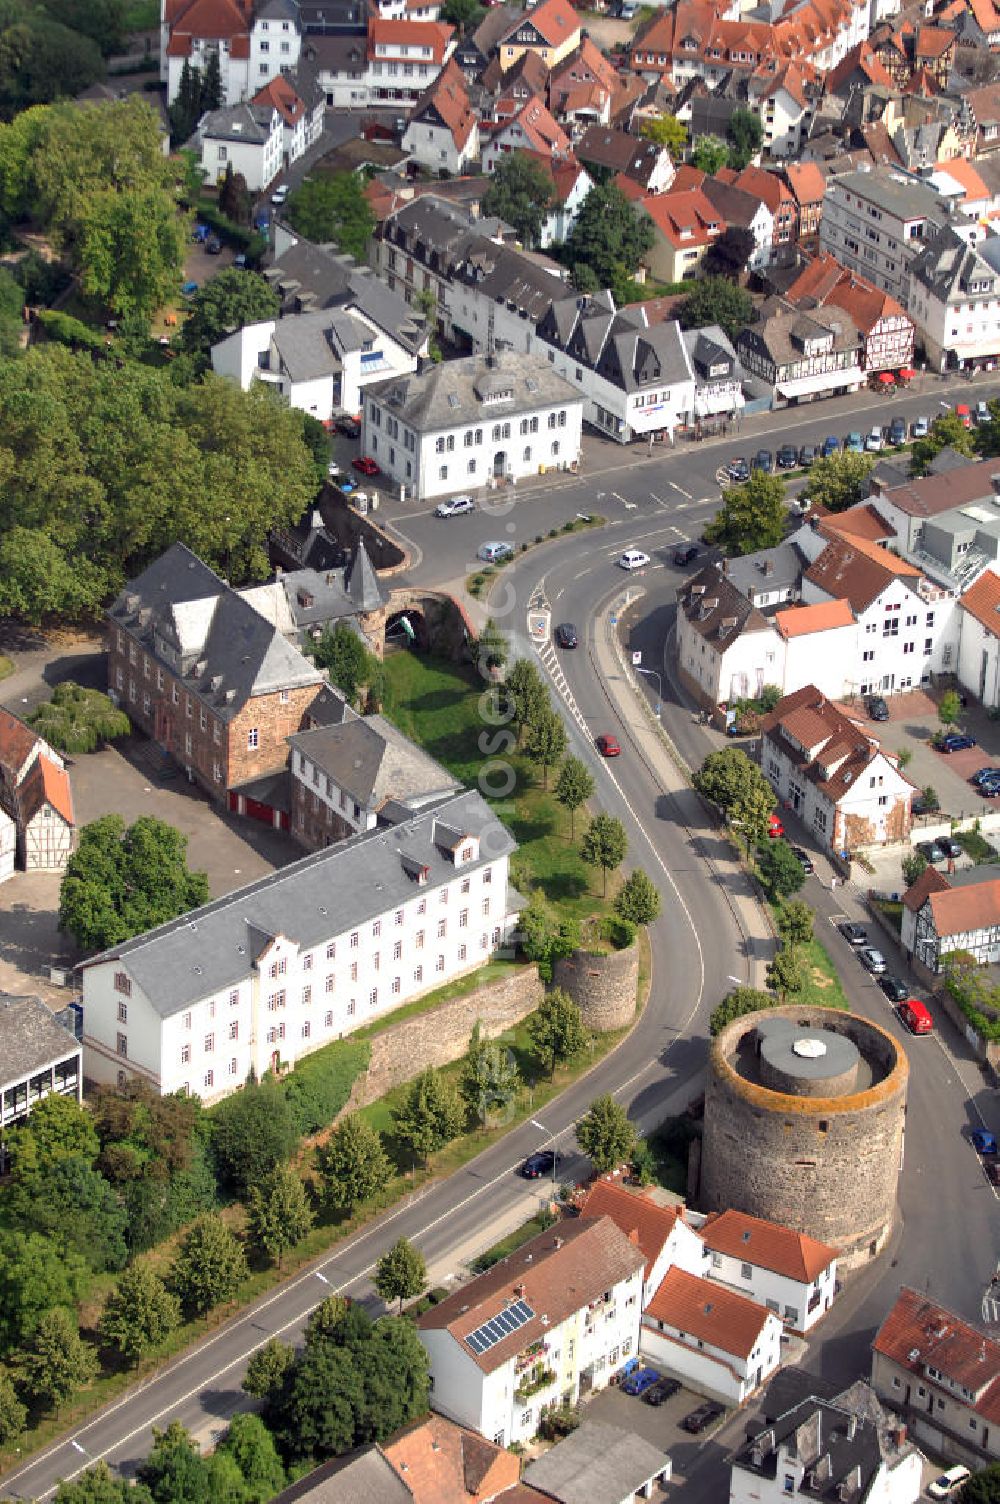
<point x="79" y="720"/>
<point x="553" y="532"/>
<point x="66" y="330"/>
<point x="617" y="931"/>
<point x="320" y="1084"/>
<point x="539" y="538"/>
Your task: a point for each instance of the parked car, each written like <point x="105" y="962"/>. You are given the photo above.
<point x="661" y="1392"/>
<point x="566" y="635"/>
<point x="189" y="289"/>
<point x="806" y="455"/>
<point x="872" y="960"/>
<point x="931" y="850"/>
<point x="213" y="246"/>
<point x="804" y="860"/>
<point x="763" y="460"/>
<point x="873" y="443"/>
<point x="349" y="426"/>
<point x="897" y="432"/>
<point x="916" y="1017"/>
<point x="492" y="553"/>
<point x="347" y="484"/>
<point x="985" y="775"/>
<point x="964" y="414"/>
<point x="686" y="554"/>
<point x="333" y="469"/>
<point x="854" y="934"/>
<point x="955" y="741"/>
<point x="455" y="506"/>
<point x="983" y="1141"/>
<point x="738" y="469"/>
<point x="541" y="1163"/>
<point x="366" y="465"/>
<point x="633" y="558"/>
<point x="279" y="195"/>
<point x="702" y="1417"/>
<point x="200" y="234"/>
<point x="983" y="414"/>
<point x="949" y="1482"/>
<point x="607" y="745"/>
<point x="877" y="709"/>
<point x="788" y="457"/>
<point x="638" y="1383"/>
<point x="854" y="444"/>
<point x="894" y="988"/>
<point x="950" y="847"/>
<point x="775" y="829"/>
<point x="920" y="428"/>
<point x="831" y="445"/>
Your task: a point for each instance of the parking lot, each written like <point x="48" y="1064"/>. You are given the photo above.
<point x="661" y="1426"/>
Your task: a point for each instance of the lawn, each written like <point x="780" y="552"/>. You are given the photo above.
<point x="822" y="985"/>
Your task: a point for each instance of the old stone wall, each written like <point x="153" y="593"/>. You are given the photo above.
<point x="602" y="986"/>
<point x="828" y="1166"/>
<point x="441" y="1035"/>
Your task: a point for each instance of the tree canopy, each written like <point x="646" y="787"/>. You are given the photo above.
<point x="332" y="206"/>
<point x="604" y="845"/>
<point x="752" y="515"/>
<point x="605" y="1134"/>
<point x="352" y="666"/>
<point x="229" y="301"/>
<point x="609" y="236"/>
<point x="744" y="134"/>
<point x="352" y="1163"/>
<point x="709" y="154"/>
<point x="574" y="786"/>
<point x="78" y="720"/>
<point x="839" y="481"/>
<point x="123" y="881"/>
<point x="735" y="1004"/>
<point x="716" y="300"/>
<point x="522" y="193"/>
<point x="666" y="130"/>
<point x="555" y="1030"/>
<point x="400" y="1273"/>
<point x="947" y="431"/>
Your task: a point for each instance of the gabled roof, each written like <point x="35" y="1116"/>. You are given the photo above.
<point x="919" y="1334"/>
<point x="934" y="494"/>
<point x="280" y="95"/>
<point x="860" y="522"/>
<point x="973" y="906"/>
<point x="17" y="742"/>
<point x="446" y="102"/>
<point x="685" y="219"/>
<point x="540" y="131"/>
<point x="372" y="762"/>
<point x="806" y="181"/>
<point x="554" y="20"/>
<point x="846" y="569"/>
<point x="983" y="601"/>
<point x="707" y="1312"/>
<point x="563" y="172"/>
<point x="44" y="784"/>
<point x="644" y="1222"/>
<point x="556" y="1274"/>
<point x="801" y="621"/>
<point x="441" y="1463"/>
<point x="825" y="745"/>
<point x="930" y="881"/>
<point x="824" y="282"/>
<point x="32" y="1037"/>
<point x="595" y="1464"/>
<point x="768" y="1245"/>
<point x="433" y="34"/>
<point x="717" y="610"/>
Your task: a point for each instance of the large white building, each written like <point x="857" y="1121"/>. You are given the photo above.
<point x="875" y="223"/>
<point x="263" y="976"/>
<point x="954" y="299"/>
<point x="253" y="45"/>
<point x="788" y="1272"/>
<point x="466" y="424"/>
<point x="554" y="1319"/>
<point x="721" y="1343"/>
<point x="247" y="137"/>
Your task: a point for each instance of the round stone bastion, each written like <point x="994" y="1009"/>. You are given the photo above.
<point x="804" y="1119"/>
<point x="602" y="985"/>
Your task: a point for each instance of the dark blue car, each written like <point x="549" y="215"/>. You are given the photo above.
<point x="831" y="445"/>
<point x="983" y="1141"/>
<point x="956" y="742"/>
<point x="638" y="1383"/>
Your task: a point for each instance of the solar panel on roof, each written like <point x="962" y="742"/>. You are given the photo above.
<point x="507" y="1321"/>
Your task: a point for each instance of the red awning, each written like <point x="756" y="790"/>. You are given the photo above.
<point x="907" y="374"/>
<point x="887" y="378"/>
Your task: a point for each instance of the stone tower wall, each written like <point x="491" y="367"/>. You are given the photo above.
<point x="602" y="986"/>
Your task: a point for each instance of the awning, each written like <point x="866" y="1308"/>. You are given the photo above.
<point x="886" y="378"/>
<point x="827" y="381"/>
<point x="907" y="373"/>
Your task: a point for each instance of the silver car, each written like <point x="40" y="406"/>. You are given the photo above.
<point x="872" y="959"/>
<point x="455" y="507"/>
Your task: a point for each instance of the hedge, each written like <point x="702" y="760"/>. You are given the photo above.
<point x="319" y="1086"/>
<point x="243" y="237"/>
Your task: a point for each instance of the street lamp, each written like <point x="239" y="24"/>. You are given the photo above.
<point x="653" y="674"/>
<point x="542" y="1129"/>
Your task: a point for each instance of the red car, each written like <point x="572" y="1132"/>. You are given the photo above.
<point x="366" y="465"/>
<point x="608" y="746"/>
<point x="775" y="828"/>
<point x="964" y="414"/>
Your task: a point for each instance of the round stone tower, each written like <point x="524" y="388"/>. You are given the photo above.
<point x="804" y="1117"/>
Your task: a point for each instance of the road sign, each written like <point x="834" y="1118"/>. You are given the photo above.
<point x="538" y="625"/>
<point x="613" y="620"/>
<point x="636" y="659"/>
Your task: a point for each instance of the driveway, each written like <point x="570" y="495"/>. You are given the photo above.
<point x="699" y="1462"/>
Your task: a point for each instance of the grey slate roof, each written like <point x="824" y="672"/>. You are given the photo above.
<point x="619" y="344"/>
<point x="903" y="197"/>
<point x="716" y="610"/>
<point x="362" y="1478"/>
<point x="238" y="122"/>
<point x="451" y="394"/>
<point x="362" y="583"/>
<point x="373" y="762"/>
<point x="947" y="266"/>
<point x="310" y="277"/>
<point x="509" y="276"/>
<point x="214" y="947"/>
<point x="312" y="345"/>
<point x="32" y="1039"/>
<point x="596" y="1464"/>
<point x="709" y="347"/>
<point x="183" y="615"/>
<point x="768" y="569"/>
<point x="302" y="598"/>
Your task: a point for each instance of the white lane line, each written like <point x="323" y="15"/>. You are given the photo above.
<point x="681" y="490"/>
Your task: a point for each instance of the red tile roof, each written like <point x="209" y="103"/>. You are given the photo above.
<point x="448" y="98"/>
<point x="932" y="494"/>
<point x="768" y="1245"/>
<point x="440" y="1463"/>
<point x="280" y="94"/>
<point x="836" y="750"/>
<point x="643" y="1221"/>
<point x="538" y="128"/>
<point x="46" y="784"/>
<point x="209" y="20"/>
<point x="983" y="602"/>
<point x="799" y="621"/>
<point x="934" y="41"/>
<point x="16" y="743"/>
<point x="433" y="34"/>
<point x="824" y="281"/>
<point x="807" y="182"/>
<point x="852" y="569"/>
<point x="862" y="521"/>
<point x="705" y="1310"/>
<point x="554" y="20"/>
<point x="930" y="881"/>
<point x="918" y="1334"/>
<point x="564" y="172"/>
<point x="975" y="906"/>
<point x="964" y="172"/>
<point x="685" y="219"/>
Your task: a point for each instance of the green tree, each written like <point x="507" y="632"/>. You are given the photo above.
<point x="72" y="1203"/>
<point x="983" y="1487"/>
<point x="668" y="131"/>
<point x="744" y="134"/>
<point x="41" y="60"/>
<point x="210" y="1265"/>
<point x="430" y="1115"/>
<point x="521" y="192"/>
<point x="839" y="481"/>
<point x="234" y="199"/>
<point x="459" y="13"/>
<point x="58" y="1128"/>
<point x="332" y="206"/>
<point x="212" y="94"/>
<point x="638" y="899"/>
<point x="604" y="845"/>
<point x="545" y="742"/>
<point x="726" y="777"/>
<point x="229" y="301"/>
<point x="946" y="432"/>
<point x="555" y="1030"/>
<point x="605" y="1134"/>
<point x="609" y="235"/>
<point x="186" y="109"/>
<point x="709" y="154"/>
<point x="543" y="936"/>
<point x="278" y="1212"/>
<point x="491" y="1079"/>
<point x="251" y="1446"/>
<point x="123" y="881"/>
<point x="949" y="707"/>
<point x="914" y="863"/>
<point x="492" y="647"/>
<point x="401" y="1273"/>
<point x="139" y="1313"/>
<point x="525" y="693"/>
<point x="752" y="816"/>
<point x="131" y="250"/>
<point x="36" y="1275"/>
<point x="175" y="1471"/>
<point x="574" y="786"/>
<point x="795" y="921"/>
<point x="780" y="869"/>
<point x="736" y="1004"/>
<point x="38" y="579"/>
<point x="57" y="1362"/>
<point x="353" y="1164"/>
<point x="752" y="516"/>
<point x="352" y="666"/>
<point x="268" y="1369"/>
<point x="13" y="1415"/>
<point x="79" y="720"/>
<point x="716" y="300"/>
<point x="784" y="975"/>
<point x="99" y="1485"/>
<point x="253" y="1132"/>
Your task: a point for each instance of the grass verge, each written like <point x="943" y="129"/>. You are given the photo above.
<point x="6" y="666"/>
<point x="478" y="584"/>
<point x="512" y="1242"/>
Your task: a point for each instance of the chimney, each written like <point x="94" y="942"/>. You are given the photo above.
<point x="725" y="569"/>
<point x="768" y="566"/>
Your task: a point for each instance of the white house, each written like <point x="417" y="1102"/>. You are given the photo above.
<point x="442" y="132"/>
<point x="727" y="649"/>
<point x="875" y="223"/>
<point x="717" y="1342"/>
<point x="790" y="1273"/>
<point x="404" y="57"/>
<point x="941" y="914"/>
<point x="465" y="424"/>
<point x="309" y="953"/>
<point x="834" y="774"/>
<point x="820" y="645"/>
<point x="248" y="137"/>
<point x="40" y="1056"/>
<point x="979" y="639"/>
<point x="252" y="46"/>
<point x="844" y="1448"/>
<point x="954" y="299"/>
<point x="320" y="362"/>
<point x="37" y="823"/>
<point x="559" y="1316"/>
<point x="531" y="129"/>
<point x="302" y="107"/>
<point x="658" y="1230"/>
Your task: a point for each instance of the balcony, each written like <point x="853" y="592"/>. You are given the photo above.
<point x="533" y="1383"/>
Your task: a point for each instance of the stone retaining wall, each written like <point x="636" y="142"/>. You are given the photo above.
<point x="603" y="986"/>
<point x="441" y="1035"/>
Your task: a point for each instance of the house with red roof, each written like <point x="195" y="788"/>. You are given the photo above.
<point x="405" y="56"/>
<point x="656" y="1227"/>
<point x="582" y="86"/>
<point x="771" y="189"/>
<point x="571" y="182"/>
<point x="253" y="45"/>
<point x="979" y="639"/>
<point x="789" y="1272"/>
<point x="942" y="1374"/>
<point x="551" y="29"/>
<point x="301" y="106"/>
<point x="37" y="822"/>
<point x="443" y="132"/>
<point x="807" y="183"/>
<point x="685" y="225"/>
<point x="886" y="328"/>
<point x="531" y="129"/>
<point x="712" y="1339"/>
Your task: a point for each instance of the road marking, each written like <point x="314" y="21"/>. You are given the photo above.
<point x="680" y="489"/>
